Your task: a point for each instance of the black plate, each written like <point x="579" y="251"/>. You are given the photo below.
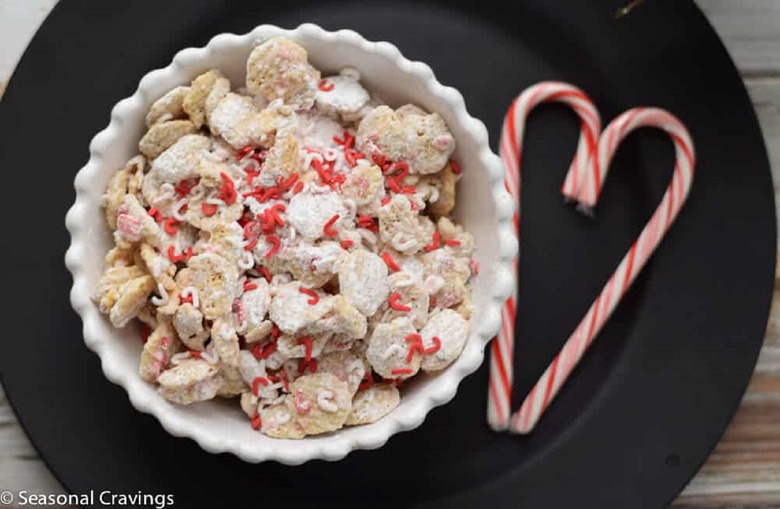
<point x="651" y="397"/>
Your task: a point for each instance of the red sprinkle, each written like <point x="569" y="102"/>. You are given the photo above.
<point x="256" y="422"/>
<point x="251" y="245"/>
<point x="310" y="365"/>
<point x="298" y="187"/>
<point x="339" y="179"/>
<point x="195" y="353"/>
<point x="393" y="302"/>
<point x="368" y="381"/>
<point x="326" y="86"/>
<point x="314" y="298"/>
<point x="264" y="352"/>
<point x="208" y="209"/>
<point x="251" y="175"/>
<point x="346" y="244"/>
<point x="452" y="242"/>
<point x="179" y="258"/>
<point x="287" y="184"/>
<point x="279" y="207"/>
<point x="347" y="142"/>
<point x="455" y="167"/>
<point x="402" y="166"/>
<point x="275" y="244"/>
<point x="259" y="155"/>
<point x="408" y="189"/>
<point x="402" y="371"/>
<point x="328" y="228"/>
<point x="249" y="286"/>
<point x="185" y="300"/>
<point x="381" y="161"/>
<point x="169" y="225"/>
<point x="352" y="155"/>
<point x="156" y="214"/>
<point x="391" y="264"/>
<point x="283" y="378"/>
<point x="435" y="348"/>
<point x="244" y="152"/>
<point x="385" y="200"/>
<point x="435" y="243"/>
<point x="275" y="332"/>
<point x="266" y="273"/>
<point x="257" y="382"/>
<point x="307" y="343"/>
<point x="227" y="191"/>
<point x="393" y="185"/>
<point x="268" y="220"/>
<point x="325" y="176"/>
<point x="183" y="188"/>
<point x="416" y="345"/>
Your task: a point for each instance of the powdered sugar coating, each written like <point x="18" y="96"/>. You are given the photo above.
<point x="451" y="330"/>
<point x="279" y="241"/>
<point x="372" y="404"/>
<point x="363" y="280"/>
<point x="308" y="212"/>
<point x="388" y="348"/>
<point x="345" y="99"/>
<point x="345" y="366"/>
<point x="320" y="403"/>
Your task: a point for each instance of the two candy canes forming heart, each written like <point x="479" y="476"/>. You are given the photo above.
<point x="583" y="184"/>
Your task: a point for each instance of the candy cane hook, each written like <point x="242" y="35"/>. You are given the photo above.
<point x="564" y="363"/>
<point x="500" y="388"/>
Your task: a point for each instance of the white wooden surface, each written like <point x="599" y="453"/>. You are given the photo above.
<point x="744" y="470"/>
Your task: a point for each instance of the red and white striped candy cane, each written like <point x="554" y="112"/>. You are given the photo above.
<point x="564" y="363"/>
<point x="511" y="149"/>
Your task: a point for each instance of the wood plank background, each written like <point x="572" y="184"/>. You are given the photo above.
<point x="744" y="469"/>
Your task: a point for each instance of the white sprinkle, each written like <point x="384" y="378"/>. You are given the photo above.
<point x="403" y="245"/>
<point x="167" y="193"/>
<point x="406" y="281"/>
<point x="311" y="156"/>
<point x="193" y="292"/>
<point x="163" y="298"/>
<point x="367" y="235"/>
<point x="324" y="401"/>
<point x="197" y="192"/>
<point x="315" y="189"/>
<point x="331" y="155"/>
<point x="177" y="207"/>
<point x="214" y="201"/>
<point x="246" y="163"/>
<point x="247" y="261"/>
<point x="393" y="350"/>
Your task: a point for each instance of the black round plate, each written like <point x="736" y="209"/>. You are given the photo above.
<point x="650" y="399"/>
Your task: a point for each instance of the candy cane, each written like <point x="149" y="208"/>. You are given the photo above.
<point x="511" y="148"/>
<point x="564" y="363"/>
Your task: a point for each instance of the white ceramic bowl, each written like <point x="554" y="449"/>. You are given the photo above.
<point x="484" y="208"/>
